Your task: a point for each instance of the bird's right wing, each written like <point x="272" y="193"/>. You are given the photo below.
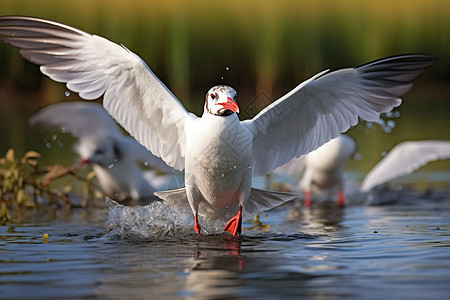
<point x="405" y="158"/>
<point x="93" y="66"/>
<point x="138" y="153"/>
<point x="295" y="166"/>
<point x="325" y="105"/>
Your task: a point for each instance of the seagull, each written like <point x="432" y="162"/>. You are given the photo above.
<point x="404" y="159"/>
<point x="114" y="156"/>
<point x="219" y="153"/>
<point x="322" y="169"/>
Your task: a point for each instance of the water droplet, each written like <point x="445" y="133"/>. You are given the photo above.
<point x="383" y="153"/>
<point x="67" y="93"/>
<point x="111" y="166"/>
<point x="227" y="68"/>
<point x="389" y="114"/>
<point x="357" y="156"/>
<point x="221" y="77"/>
<point x="391" y="124"/>
<point x="63" y="129"/>
<point x="397" y="114"/>
<point x="146" y="163"/>
<point x="222" y="175"/>
<point x="249" y="166"/>
<point x="369" y="124"/>
<point x="54" y="137"/>
<point x="48" y="145"/>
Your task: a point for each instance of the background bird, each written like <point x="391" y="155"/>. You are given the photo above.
<point x="219" y="153"/>
<point x="322" y="170"/>
<point x="115" y="157"/>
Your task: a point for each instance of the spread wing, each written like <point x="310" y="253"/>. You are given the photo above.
<point x="295" y="166"/>
<point x="137" y="152"/>
<point x="405" y="158"/>
<point x="93" y="66"/>
<point x="322" y="107"/>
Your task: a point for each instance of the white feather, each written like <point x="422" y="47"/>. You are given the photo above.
<point x="404" y="159"/>
<point x="91" y="66"/>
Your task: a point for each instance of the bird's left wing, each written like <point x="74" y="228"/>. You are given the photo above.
<point x="322" y="107"/>
<point x="403" y="159"/>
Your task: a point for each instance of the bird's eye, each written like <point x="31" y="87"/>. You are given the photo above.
<point x="213" y="96"/>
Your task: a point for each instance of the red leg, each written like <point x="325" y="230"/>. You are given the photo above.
<point x="234" y="226"/>
<point x="308" y="198"/>
<point x="197" y="226"/>
<point x="341" y="198"/>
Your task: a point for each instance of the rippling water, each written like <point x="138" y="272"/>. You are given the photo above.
<point x="393" y="250"/>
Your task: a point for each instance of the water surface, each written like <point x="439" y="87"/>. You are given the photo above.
<point x="357" y="252"/>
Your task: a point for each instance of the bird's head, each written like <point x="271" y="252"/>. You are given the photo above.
<point x="221" y="101"/>
<point x="102" y="152"/>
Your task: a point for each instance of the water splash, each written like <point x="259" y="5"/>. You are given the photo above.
<point x="67" y="93"/>
<point x="385" y="121"/>
<point x="155" y="221"/>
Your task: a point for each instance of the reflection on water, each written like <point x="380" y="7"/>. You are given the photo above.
<point x="321" y="252"/>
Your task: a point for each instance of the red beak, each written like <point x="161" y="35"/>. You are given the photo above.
<point x="231" y="105"/>
<point x="84" y="162"/>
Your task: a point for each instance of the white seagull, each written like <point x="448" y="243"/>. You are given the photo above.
<point x="219" y="153"/>
<point x="322" y="169"/>
<point x="404" y="159"/>
<point x="114" y="157"/>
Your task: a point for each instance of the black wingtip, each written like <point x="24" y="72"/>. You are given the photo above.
<point x="426" y="59"/>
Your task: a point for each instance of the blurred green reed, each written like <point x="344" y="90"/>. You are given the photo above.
<point x="268" y="46"/>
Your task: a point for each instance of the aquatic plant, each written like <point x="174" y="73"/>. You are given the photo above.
<point x="25" y="184"/>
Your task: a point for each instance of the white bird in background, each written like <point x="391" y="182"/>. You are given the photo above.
<point x="404" y="159"/>
<point x="219" y="153"/>
<point x="115" y="157"/>
<point x="322" y="169"/>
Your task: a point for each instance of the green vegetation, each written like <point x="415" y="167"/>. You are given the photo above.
<point x="268" y="45"/>
<point x="23" y="182"/>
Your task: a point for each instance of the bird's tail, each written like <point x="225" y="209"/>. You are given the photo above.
<point x="176" y="197"/>
<point x="259" y="200"/>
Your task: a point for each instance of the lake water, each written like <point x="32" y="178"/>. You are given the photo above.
<point x="398" y="247"/>
<point x="398" y="250"/>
